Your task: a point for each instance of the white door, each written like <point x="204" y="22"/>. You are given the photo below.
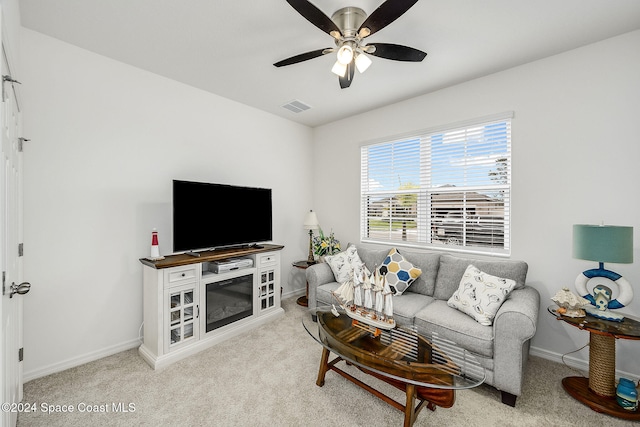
<point x="10" y="239"/>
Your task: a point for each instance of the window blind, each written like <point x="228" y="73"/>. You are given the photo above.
<point x="445" y="188"/>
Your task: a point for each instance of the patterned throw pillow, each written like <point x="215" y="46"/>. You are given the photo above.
<point x="480" y="295"/>
<point x="399" y="272"/>
<point x="343" y="263"/>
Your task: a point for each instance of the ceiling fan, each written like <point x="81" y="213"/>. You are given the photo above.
<point x="349" y="27"/>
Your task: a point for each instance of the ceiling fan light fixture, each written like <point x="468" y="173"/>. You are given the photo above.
<point x="349" y="27"/>
<point x="345" y="54"/>
<point x="362" y="62"/>
<point x="339" y="69"/>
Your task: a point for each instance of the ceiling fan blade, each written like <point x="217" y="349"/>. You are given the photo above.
<point x="303" y="57"/>
<point x="385" y="14"/>
<point x="315" y="16"/>
<point x="345" y="81"/>
<point x="397" y="52"/>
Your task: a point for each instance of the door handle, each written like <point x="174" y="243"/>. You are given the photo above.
<point x="21" y="289"/>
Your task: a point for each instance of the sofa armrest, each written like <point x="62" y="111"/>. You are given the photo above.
<point x="513" y="327"/>
<point x="317" y="275"/>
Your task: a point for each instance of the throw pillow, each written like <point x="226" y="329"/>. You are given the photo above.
<point x="399" y="272"/>
<point x="343" y="263"/>
<point x="480" y="295"/>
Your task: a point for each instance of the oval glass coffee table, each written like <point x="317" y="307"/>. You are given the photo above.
<point x="427" y="368"/>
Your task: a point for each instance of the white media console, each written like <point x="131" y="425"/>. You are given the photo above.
<point x="188" y="307"/>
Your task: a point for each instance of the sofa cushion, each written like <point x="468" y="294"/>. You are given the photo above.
<point x="372" y="258"/>
<point x="456" y="326"/>
<point x="427" y="261"/>
<point x="344" y="263"/>
<point x="452" y="269"/>
<point x="407" y="305"/>
<point x="399" y="272"/>
<point x="323" y="293"/>
<point x="480" y="295"/>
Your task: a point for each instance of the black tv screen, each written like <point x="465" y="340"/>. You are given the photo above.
<point x="208" y="216"/>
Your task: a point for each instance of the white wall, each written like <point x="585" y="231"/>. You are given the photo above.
<point x="106" y="141"/>
<point x="576" y="150"/>
<point x="11" y="29"/>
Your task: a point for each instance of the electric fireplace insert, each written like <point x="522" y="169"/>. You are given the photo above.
<point x="229" y="301"/>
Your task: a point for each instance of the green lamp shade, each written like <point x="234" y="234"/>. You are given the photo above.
<point x="603" y="243"/>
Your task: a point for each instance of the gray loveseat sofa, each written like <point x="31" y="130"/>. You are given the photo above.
<point x="502" y="348"/>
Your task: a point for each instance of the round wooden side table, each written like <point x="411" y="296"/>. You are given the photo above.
<point x="303" y="265"/>
<point x="599" y="390"/>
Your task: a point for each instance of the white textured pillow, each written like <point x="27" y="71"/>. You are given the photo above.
<point x="480" y="295"/>
<point x="343" y="263"/>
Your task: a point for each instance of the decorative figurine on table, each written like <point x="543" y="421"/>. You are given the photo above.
<point x="155" y="248"/>
<point x="602" y="295"/>
<point x="601" y="299"/>
<point x="627" y="395"/>
<point x="374" y="308"/>
<point x="569" y="304"/>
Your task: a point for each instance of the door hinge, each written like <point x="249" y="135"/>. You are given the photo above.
<point x="21" y="142"/>
<point x="7" y="78"/>
<point x="21" y="354"/>
<point x="20" y="249"/>
<point x="4" y="279"/>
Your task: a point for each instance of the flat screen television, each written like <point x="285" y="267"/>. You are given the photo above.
<point x="209" y="216"/>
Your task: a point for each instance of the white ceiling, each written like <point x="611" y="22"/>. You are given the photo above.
<point x="229" y="47"/>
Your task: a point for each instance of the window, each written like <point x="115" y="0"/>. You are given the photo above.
<point x="445" y="188"/>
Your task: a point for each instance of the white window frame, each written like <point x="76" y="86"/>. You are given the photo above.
<point x="419" y="223"/>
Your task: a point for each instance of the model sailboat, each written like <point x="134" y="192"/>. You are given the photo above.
<point x="367" y="299"/>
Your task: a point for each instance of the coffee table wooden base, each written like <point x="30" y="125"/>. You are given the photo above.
<point x="578" y="388"/>
<point x="413" y="393"/>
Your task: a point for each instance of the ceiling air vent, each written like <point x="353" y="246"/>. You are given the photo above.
<point x="296" y="106"/>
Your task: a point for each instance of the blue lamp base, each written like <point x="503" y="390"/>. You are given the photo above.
<point x="604" y="314"/>
<point x="601" y="299"/>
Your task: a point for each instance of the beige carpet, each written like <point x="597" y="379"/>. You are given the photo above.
<point x="267" y="378"/>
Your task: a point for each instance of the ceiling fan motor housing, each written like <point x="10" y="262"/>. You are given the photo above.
<point x="349" y="19"/>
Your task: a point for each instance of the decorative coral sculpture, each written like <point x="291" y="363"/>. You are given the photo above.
<point x="570" y="304"/>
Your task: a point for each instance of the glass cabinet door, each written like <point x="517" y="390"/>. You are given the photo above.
<point x="183" y="312"/>
<point x="267" y="289"/>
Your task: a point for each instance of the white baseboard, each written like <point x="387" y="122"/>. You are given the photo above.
<point x="219" y="335"/>
<point x="79" y="360"/>
<point x="99" y="354"/>
<point x="295" y="293"/>
<point x="573" y="362"/>
<point x="580" y="364"/>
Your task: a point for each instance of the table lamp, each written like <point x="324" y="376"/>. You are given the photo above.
<point x="311" y="223"/>
<point x="603" y="243"/>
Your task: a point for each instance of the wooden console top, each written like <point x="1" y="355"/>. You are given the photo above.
<point x="215" y="255"/>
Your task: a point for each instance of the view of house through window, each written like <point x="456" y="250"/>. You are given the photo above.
<point x="446" y="187"/>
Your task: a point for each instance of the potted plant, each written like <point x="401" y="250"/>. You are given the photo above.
<point x="325" y="245"/>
